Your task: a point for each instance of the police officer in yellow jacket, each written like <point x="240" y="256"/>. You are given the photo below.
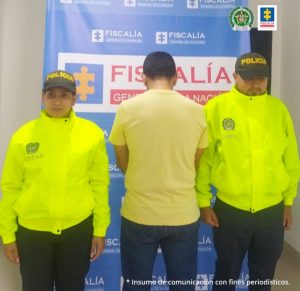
<point x="54" y="211"/>
<point x="252" y="161"/>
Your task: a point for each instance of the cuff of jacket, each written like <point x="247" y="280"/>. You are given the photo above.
<point x="288" y="201"/>
<point x="8" y="238"/>
<point x="101" y="231"/>
<point x="203" y="202"/>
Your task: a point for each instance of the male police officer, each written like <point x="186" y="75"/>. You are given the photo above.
<point x="253" y="162"/>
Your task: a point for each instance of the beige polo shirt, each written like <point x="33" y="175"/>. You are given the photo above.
<point x="162" y="130"/>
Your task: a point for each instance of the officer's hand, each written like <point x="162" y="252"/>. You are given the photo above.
<point x="209" y="216"/>
<point x="98" y="244"/>
<point x="11" y="252"/>
<point x="287" y="217"/>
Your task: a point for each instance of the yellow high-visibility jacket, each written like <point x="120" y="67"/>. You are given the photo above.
<point x="252" y="159"/>
<point x="55" y="175"/>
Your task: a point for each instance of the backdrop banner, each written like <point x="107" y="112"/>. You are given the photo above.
<point x="103" y="43"/>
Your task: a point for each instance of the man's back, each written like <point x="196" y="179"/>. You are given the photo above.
<point x="163" y="131"/>
<point x="158" y="138"/>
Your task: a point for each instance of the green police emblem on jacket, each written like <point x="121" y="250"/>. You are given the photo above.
<point x="228" y="124"/>
<point x="32" y="147"/>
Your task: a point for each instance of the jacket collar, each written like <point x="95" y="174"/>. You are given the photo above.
<point x="65" y="120"/>
<point x="238" y="94"/>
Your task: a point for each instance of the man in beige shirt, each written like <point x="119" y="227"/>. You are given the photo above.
<point x="159" y="137"/>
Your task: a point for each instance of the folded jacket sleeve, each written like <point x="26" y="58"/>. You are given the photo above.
<point x="291" y="161"/>
<point x="99" y="181"/>
<point x="11" y="185"/>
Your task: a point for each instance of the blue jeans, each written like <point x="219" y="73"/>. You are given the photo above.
<point x="139" y="245"/>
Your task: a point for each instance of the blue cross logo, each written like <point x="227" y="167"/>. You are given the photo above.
<point x="97" y="35"/>
<point x="129" y="2"/>
<point x="161" y="37"/>
<point x="192" y="4"/>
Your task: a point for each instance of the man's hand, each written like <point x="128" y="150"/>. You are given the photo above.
<point x="97" y="247"/>
<point x="11" y="252"/>
<point x="209" y="216"/>
<point x="287" y="217"/>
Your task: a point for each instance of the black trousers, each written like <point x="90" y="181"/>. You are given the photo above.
<point x="240" y="232"/>
<point x="47" y="259"/>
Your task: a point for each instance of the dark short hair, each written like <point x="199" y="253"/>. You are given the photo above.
<point x="159" y="64"/>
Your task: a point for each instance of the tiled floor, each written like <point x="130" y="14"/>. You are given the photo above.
<point x="288" y="270"/>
